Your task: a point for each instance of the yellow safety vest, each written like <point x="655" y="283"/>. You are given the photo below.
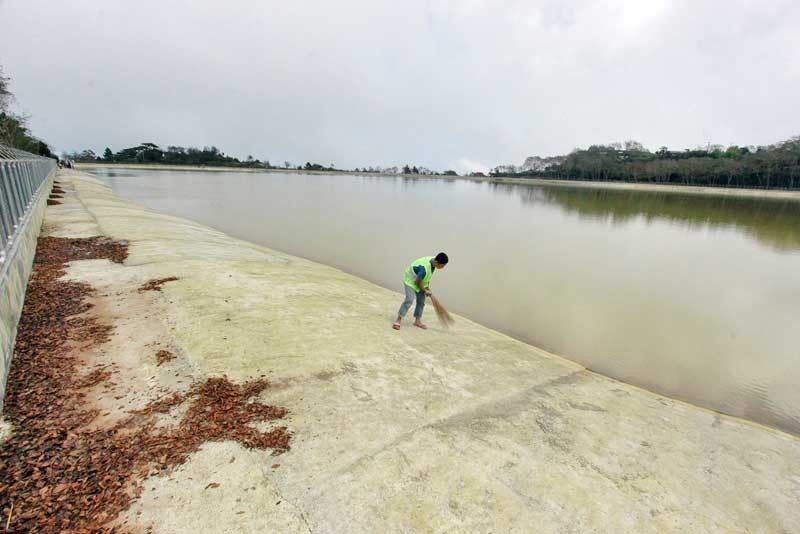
<point x="411" y="276"/>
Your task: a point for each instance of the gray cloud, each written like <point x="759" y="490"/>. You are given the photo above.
<point x="447" y="84"/>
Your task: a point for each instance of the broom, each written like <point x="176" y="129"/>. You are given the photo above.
<point x="444" y="316"/>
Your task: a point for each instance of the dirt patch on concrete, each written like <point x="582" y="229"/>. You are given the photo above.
<point x="59" y="471"/>
<point x="164" y="356"/>
<point x="155" y="284"/>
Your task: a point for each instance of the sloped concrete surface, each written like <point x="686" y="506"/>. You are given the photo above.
<point x="413" y="431"/>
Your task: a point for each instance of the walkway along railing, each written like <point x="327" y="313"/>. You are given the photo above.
<point x="25" y="182"/>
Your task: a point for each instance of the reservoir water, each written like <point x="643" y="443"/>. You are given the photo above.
<point x="693" y="296"/>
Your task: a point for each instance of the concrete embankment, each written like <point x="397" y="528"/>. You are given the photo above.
<point x="14" y="271"/>
<point x="462" y="429"/>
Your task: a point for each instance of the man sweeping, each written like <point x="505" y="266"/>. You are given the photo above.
<point x="417" y="285"/>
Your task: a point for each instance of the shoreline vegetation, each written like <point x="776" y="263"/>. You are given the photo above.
<point x="775" y="166"/>
<point x="622" y="186"/>
<point x="150" y="153"/>
<point x="765" y="168"/>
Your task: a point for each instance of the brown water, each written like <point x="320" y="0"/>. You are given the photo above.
<point x="693" y="296"/>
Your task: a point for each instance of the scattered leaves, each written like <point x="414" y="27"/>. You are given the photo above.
<point x="60" y="473"/>
<point x="156" y="283"/>
<point x="163" y="356"/>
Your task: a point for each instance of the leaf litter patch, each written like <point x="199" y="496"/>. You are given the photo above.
<point x="156" y="283"/>
<point x="164" y="356"/>
<point x="59" y="473"/>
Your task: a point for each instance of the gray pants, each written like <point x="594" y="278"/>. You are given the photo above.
<point x="410" y="296"/>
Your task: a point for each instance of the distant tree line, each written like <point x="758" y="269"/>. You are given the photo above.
<point x="14" y="130"/>
<point x="212" y="156"/>
<point x="316" y="167"/>
<point x="406" y="169"/>
<point x="172" y="155"/>
<point x="770" y="167"/>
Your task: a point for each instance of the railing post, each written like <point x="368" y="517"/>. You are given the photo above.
<point x="16" y="197"/>
<point x="28" y="183"/>
<point x="6" y="225"/>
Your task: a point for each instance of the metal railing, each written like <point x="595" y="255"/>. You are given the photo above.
<point x="24" y="181"/>
<point x="21" y="176"/>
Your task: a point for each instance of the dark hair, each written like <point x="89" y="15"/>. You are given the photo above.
<point x="441" y="258"/>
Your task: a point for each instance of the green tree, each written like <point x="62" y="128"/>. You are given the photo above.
<point x="14" y="128"/>
<point x="87" y="155"/>
<point x="5" y="93"/>
<point x="772" y="166"/>
<point x="108" y="155"/>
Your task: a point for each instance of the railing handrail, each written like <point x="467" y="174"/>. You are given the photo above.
<point x="21" y="175"/>
<point x="7" y="152"/>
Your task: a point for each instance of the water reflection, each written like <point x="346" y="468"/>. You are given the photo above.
<point x="773" y="222"/>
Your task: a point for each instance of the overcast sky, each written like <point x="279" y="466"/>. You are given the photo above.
<point x="447" y="84"/>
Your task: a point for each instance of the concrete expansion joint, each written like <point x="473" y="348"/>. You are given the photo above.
<point x="462" y="417"/>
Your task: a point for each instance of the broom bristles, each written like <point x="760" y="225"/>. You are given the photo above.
<point x="444" y="316"/>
